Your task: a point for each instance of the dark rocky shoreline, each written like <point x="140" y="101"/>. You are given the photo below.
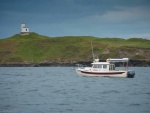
<point x="132" y="63"/>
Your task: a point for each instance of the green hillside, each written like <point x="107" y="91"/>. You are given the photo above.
<point x="37" y="48"/>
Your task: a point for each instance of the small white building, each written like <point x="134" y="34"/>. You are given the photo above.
<point x="24" y="29"/>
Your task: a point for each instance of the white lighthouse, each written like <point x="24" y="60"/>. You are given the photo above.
<point x="24" y="29"/>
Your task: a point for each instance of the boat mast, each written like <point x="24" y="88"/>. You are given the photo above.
<point x="92" y="50"/>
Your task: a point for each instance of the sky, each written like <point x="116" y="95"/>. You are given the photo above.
<point x="99" y="18"/>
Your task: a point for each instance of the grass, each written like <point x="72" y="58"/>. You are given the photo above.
<point x="37" y="48"/>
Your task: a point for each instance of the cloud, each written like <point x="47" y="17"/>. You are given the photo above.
<point x="139" y="35"/>
<point x="125" y="14"/>
<point x="121" y="15"/>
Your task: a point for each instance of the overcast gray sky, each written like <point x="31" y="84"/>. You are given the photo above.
<point x="99" y="18"/>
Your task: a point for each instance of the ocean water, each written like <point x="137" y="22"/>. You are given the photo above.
<point x="61" y="90"/>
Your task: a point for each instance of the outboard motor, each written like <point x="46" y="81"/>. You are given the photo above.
<point x="131" y="74"/>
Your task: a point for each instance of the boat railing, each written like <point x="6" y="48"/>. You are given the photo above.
<point x="81" y="66"/>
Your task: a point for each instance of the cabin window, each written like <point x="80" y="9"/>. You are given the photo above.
<point x="112" y="67"/>
<point x="95" y="66"/>
<point x="104" y="66"/>
<point x="99" y="66"/>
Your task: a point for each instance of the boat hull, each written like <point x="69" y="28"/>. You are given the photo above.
<point x="102" y="74"/>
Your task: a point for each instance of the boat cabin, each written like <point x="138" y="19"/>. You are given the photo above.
<point x="108" y="65"/>
<point x="103" y="66"/>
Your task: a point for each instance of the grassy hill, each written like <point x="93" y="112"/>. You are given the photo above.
<point x="37" y="48"/>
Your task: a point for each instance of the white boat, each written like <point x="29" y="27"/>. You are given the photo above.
<point x="106" y="69"/>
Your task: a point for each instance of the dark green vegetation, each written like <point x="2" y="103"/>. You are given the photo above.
<point x="37" y="48"/>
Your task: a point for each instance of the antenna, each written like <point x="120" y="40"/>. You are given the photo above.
<point x="92" y="50"/>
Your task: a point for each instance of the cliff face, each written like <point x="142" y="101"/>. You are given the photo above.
<point x="34" y="48"/>
<point x="135" y="53"/>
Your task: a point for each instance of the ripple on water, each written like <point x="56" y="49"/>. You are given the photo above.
<point x="6" y="74"/>
<point x="8" y="88"/>
<point x="148" y="93"/>
<point x="5" y="108"/>
<point x="32" y="90"/>
<point x="110" y="92"/>
<point x="20" y="75"/>
<point x="134" y="104"/>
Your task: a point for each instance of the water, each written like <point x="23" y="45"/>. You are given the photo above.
<point x="61" y="90"/>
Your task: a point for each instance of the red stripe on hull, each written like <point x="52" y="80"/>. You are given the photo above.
<point x="103" y="73"/>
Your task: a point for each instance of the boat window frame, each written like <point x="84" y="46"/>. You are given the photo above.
<point x="97" y="66"/>
<point x="111" y="67"/>
<point x="104" y="66"/>
<point x="101" y="66"/>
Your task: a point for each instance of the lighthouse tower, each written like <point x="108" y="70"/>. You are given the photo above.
<point x="24" y="29"/>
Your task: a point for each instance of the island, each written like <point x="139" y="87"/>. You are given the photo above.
<point x="37" y="50"/>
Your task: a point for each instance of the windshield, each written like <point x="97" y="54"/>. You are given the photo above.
<point x="97" y="66"/>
